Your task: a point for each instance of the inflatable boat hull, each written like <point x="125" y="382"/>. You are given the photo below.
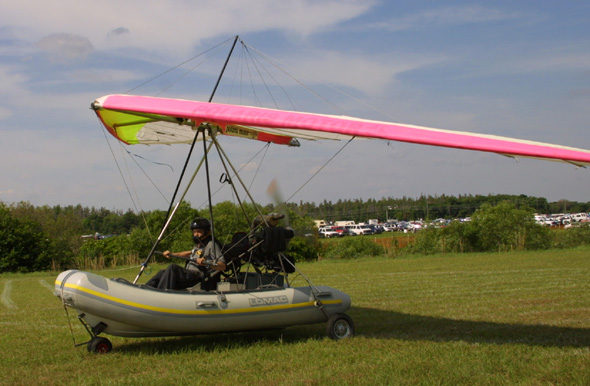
<point x="125" y="309"/>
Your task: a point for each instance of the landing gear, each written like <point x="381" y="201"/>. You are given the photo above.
<point x="340" y="326"/>
<point x="100" y="345"/>
<point x="96" y="344"/>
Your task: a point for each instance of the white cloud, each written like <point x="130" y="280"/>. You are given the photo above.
<point x="371" y="73"/>
<point x="174" y="26"/>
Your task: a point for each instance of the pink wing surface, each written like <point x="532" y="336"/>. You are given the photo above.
<point x="151" y="120"/>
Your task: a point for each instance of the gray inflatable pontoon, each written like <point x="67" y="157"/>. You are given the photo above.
<point x="120" y="308"/>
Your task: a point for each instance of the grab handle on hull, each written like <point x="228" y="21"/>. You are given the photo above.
<point x="323" y="294"/>
<point x="206" y="304"/>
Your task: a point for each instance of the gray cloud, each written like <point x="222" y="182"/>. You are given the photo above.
<point x="65" y="47"/>
<point x="118" y="33"/>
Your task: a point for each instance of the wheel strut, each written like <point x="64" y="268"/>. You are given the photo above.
<point x="96" y="343"/>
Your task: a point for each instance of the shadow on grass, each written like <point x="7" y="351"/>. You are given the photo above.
<point x="376" y="324"/>
<point x="219" y="342"/>
<point x="373" y="323"/>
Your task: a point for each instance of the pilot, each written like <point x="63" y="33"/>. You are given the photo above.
<point x="206" y="259"/>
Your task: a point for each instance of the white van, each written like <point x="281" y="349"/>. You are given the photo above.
<point x="360" y="229"/>
<point x="577" y="217"/>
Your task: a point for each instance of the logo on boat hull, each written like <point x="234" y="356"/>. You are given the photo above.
<point x="268" y="301"/>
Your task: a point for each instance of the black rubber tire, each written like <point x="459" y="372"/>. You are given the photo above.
<point x="100" y="345"/>
<point x="340" y="326"/>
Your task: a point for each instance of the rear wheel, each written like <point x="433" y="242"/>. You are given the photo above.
<point x="340" y="326"/>
<point x="100" y="345"/>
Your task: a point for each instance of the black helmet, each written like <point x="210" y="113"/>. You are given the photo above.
<point x="201" y="223"/>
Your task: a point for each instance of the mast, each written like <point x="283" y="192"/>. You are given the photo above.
<point x="171" y="212"/>
<point x="212" y="134"/>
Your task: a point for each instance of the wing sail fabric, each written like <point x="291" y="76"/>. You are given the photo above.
<point x="149" y="120"/>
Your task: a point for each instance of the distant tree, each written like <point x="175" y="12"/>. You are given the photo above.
<point x="353" y="247"/>
<point x="499" y="228"/>
<point x="24" y="247"/>
<point x="504" y="228"/>
<point x="303" y="249"/>
<point x="229" y="219"/>
<point x="573" y="237"/>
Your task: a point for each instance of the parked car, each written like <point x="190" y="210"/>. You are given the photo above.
<point x="328" y="232"/>
<point x="377" y="229"/>
<point x="389" y="227"/>
<point x="342" y="231"/>
<point x="403" y="226"/>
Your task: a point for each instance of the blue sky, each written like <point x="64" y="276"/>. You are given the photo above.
<point x="518" y="69"/>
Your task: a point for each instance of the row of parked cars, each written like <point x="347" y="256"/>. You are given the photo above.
<point x="567" y="220"/>
<point x="350" y="230"/>
<point x="372" y="229"/>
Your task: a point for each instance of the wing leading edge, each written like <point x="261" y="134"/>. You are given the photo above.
<point x="150" y="120"/>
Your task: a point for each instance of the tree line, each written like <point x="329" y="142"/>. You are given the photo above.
<point x="34" y="238"/>
<point x="61" y="237"/>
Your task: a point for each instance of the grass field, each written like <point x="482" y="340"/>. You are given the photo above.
<point x="489" y="319"/>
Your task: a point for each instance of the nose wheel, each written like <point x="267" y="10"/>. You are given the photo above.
<point x="96" y="344"/>
<point x="100" y="345"/>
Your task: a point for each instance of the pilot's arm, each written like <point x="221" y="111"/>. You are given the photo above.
<point x="167" y="254"/>
<point x="219" y="266"/>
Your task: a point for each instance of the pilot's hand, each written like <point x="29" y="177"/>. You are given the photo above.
<point x="166" y="254"/>
<point x="201" y="260"/>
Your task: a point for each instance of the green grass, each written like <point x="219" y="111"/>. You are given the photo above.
<point x="492" y="319"/>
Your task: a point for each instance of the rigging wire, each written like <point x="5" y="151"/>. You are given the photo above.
<point x="266" y="145"/>
<point x="148" y="160"/>
<point x="237" y="73"/>
<point x="118" y="166"/>
<point x="258" y="64"/>
<point x="132" y="183"/>
<point x="309" y="89"/>
<point x="318" y="171"/>
<point x="251" y="79"/>
<point x="187" y="72"/>
<point x="145" y="173"/>
<point x="259" y="165"/>
<point x="135" y="191"/>
<point x="123" y="178"/>
<point x="229" y="180"/>
<point x="178" y="65"/>
<point x="260" y="76"/>
<point x="222" y="152"/>
<point x="270" y="60"/>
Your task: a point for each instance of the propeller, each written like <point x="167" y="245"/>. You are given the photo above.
<point x="274" y="192"/>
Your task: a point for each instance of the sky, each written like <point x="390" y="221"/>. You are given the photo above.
<point x="517" y="69"/>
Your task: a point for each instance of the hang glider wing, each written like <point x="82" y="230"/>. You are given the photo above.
<point x="149" y="120"/>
